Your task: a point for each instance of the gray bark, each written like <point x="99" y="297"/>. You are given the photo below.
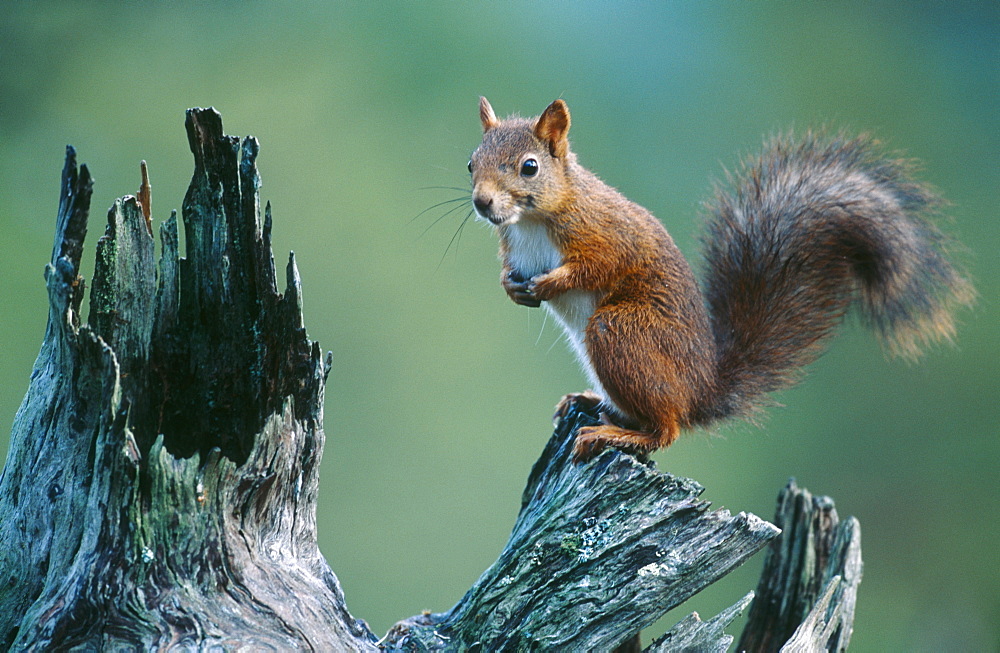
<point x="160" y="488"/>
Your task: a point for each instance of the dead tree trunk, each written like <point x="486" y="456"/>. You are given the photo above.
<point x="160" y="489"/>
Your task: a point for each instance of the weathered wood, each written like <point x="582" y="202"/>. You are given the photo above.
<point x="697" y="636"/>
<point x="41" y="502"/>
<point x="598" y="552"/>
<point x="161" y="484"/>
<point x="809" y="584"/>
<point x="160" y="488"/>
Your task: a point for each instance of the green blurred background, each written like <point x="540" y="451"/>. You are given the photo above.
<point x="441" y="392"/>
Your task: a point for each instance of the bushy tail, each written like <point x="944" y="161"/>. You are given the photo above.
<point x="805" y="231"/>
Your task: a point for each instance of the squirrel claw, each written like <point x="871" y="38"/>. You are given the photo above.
<point x="525" y="298"/>
<point x="520" y="291"/>
<point x="589" y="444"/>
<point x="592" y="440"/>
<point x="586" y="400"/>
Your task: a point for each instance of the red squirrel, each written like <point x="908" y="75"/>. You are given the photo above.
<point x="811" y="227"/>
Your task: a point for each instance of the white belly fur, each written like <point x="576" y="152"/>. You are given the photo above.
<point x="531" y="253"/>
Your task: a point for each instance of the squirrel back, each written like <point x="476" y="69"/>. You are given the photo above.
<point x="811" y="227"/>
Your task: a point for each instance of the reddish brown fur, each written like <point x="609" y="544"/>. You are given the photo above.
<point x="806" y="227"/>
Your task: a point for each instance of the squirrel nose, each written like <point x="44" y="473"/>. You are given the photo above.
<point x="482" y="204"/>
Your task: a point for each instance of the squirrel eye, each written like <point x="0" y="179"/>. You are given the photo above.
<point x="470" y="165"/>
<point x="529" y="168"/>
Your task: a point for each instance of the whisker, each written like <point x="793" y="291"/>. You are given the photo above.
<point x="545" y="319"/>
<point x="431" y="208"/>
<point x="460" y="227"/>
<point x="437" y="220"/>
<point x="555" y="341"/>
<point x="457" y="233"/>
<point x="457" y="188"/>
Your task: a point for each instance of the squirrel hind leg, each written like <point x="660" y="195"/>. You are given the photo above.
<point x="592" y="440"/>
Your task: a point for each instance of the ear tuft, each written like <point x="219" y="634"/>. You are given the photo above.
<point x="553" y="128"/>
<point x="486" y="115"/>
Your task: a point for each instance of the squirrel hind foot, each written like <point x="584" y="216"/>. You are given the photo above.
<point x="586" y="400"/>
<point x="592" y="440"/>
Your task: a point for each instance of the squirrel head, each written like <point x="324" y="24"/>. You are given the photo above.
<point x="519" y="170"/>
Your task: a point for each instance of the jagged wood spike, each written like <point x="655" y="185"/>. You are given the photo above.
<point x="815" y="547"/>
<point x="694" y="635"/>
<point x="161" y="486"/>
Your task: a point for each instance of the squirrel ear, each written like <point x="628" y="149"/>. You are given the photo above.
<point x="553" y="126"/>
<point x="486" y="115"/>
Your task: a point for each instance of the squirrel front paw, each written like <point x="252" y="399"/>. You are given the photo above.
<point x="519" y="289"/>
<point x="547" y="285"/>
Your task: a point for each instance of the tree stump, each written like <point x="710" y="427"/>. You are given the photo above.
<point x="160" y="488"/>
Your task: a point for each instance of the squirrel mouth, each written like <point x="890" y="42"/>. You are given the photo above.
<point x="493" y="217"/>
